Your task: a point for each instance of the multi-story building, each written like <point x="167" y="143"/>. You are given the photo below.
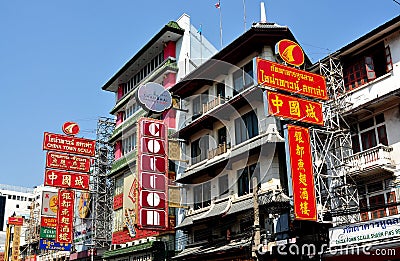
<point x="229" y="139"/>
<point x="173" y="52"/>
<point x="369" y="91"/>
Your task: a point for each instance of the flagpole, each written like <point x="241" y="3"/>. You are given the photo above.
<point x="220" y="22"/>
<point x="244" y="14"/>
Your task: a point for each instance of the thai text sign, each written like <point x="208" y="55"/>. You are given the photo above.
<point x="374" y="230"/>
<point x="46" y="232"/>
<point x="16" y="243"/>
<point x="68" y="144"/>
<point x="56" y="160"/>
<point x="16" y="221"/>
<point x="48" y="221"/>
<point x="63" y="179"/>
<point x="65" y="216"/>
<point x="50" y="244"/>
<point x="152" y="161"/>
<point x="302" y="173"/>
<point x="288" y="79"/>
<point x="294" y="108"/>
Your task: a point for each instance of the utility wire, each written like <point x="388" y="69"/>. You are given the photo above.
<point x="396" y="2"/>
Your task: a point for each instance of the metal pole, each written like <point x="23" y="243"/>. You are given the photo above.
<point x="257" y="234"/>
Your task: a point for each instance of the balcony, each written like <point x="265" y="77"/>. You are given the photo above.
<point x="212" y="104"/>
<point x="372" y="161"/>
<point x="220" y="149"/>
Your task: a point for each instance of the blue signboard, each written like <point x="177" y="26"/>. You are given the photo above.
<point x="51" y="244"/>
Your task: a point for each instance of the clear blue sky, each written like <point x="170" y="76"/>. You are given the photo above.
<point x="56" y="55"/>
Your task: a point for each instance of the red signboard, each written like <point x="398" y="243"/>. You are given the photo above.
<point x="65" y="216"/>
<point x="118" y="201"/>
<point x="153" y="170"/>
<point x="15" y="221"/>
<point x="56" y="160"/>
<point x="295" y="108"/>
<point x="290" y="52"/>
<point x="63" y="179"/>
<point x="288" y="79"/>
<point x="121" y="237"/>
<point x="48" y="221"/>
<point x="69" y="144"/>
<point x="70" y="128"/>
<point x="302" y="173"/>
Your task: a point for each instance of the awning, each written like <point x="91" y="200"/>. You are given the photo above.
<point x="208" y="250"/>
<point x="188" y="220"/>
<point x="217" y="209"/>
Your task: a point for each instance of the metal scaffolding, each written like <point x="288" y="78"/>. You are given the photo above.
<point x="336" y="192"/>
<point x="101" y="186"/>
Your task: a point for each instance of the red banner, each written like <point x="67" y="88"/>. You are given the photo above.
<point x="288" y="79"/>
<point x="153" y="168"/>
<point x="56" y="160"/>
<point x="302" y="173"/>
<point x="62" y="179"/>
<point x="48" y="221"/>
<point x="295" y="108"/>
<point x="65" y="216"/>
<point x="69" y="144"/>
<point x="16" y="221"/>
<point x="118" y="201"/>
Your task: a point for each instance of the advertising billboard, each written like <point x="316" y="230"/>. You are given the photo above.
<point x="302" y="173"/>
<point x="65" y="216"/>
<point x="51" y="244"/>
<point x="49" y="204"/>
<point x="153" y="170"/>
<point x="285" y="78"/>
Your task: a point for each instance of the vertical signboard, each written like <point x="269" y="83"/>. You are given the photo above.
<point x="302" y="173"/>
<point x="16" y="243"/>
<point x="65" y="216"/>
<point x="152" y="171"/>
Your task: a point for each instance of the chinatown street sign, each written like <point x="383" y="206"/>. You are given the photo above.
<point x="294" y="108"/>
<point x="63" y="179"/>
<point x="55" y="160"/>
<point x="304" y="200"/>
<point x="292" y="80"/>
<point x="69" y="144"/>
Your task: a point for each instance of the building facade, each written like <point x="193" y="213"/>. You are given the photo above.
<point x="172" y="53"/>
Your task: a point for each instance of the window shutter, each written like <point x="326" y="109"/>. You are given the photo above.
<point x="389" y="63"/>
<point x="369" y="66"/>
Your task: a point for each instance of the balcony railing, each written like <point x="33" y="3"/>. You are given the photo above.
<point x="220" y="149"/>
<point x="212" y="104"/>
<point x="369" y="161"/>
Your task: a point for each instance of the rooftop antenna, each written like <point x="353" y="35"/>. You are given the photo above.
<point x="263" y="13"/>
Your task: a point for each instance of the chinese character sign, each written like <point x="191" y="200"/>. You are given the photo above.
<point x="295" y="108"/>
<point x="65" y="216"/>
<point x="16" y="243"/>
<point x="302" y="173"/>
<point x="153" y="167"/>
<point x="62" y="161"/>
<point x="63" y="179"/>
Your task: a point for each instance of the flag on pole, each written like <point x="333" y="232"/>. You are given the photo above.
<point x="218" y="5"/>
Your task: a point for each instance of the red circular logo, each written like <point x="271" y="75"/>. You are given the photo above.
<point x="70" y="128"/>
<point x="291" y="52"/>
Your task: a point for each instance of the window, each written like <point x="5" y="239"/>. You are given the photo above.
<point x="368" y="133"/>
<point x="222" y="135"/>
<point x="17" y="206"/>
<point x="129" y="111"/>
<point x="221" y="89"/>
<point x="367" y="66"/>
<point x="246" y="127"/>
<point x="223" y="186"/>
<point x="199" y="149"/>
<point x="391" y="199"/>
<point x="245" y="179"/>
<point x="243" y="78"/>
<point x="119" y="186"/>
<point x="129" y="144"/>
<point x="377" y="203"/>
<point x="202" y="195"/>
<point x="197" y="104"/>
